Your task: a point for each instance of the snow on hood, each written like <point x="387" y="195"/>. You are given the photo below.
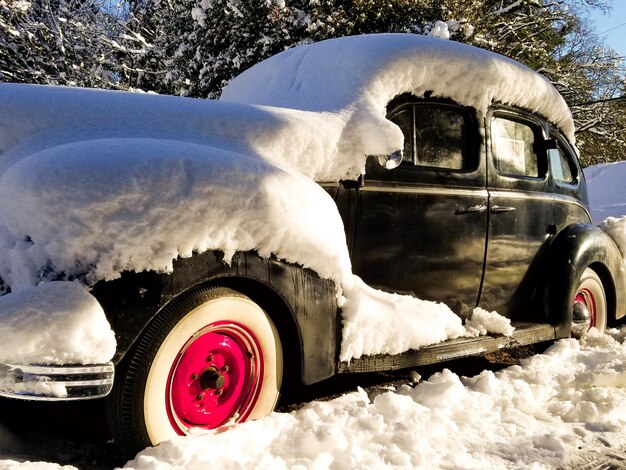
<point x="96" y="182"/>
<point x="363" y="73"/>
<point x="104" y="206"/>
<point x="34" y="117"/>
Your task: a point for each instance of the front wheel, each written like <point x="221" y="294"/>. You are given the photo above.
<point x="210" y="359"/>
<point x="589" y="308"/>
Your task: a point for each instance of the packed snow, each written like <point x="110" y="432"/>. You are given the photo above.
<point x="483" y="322"/>
<point x="544" y="413"/>
<point x="552" y="411"/>
<point x="361" y="74"/>
<point x="131" y="182"/>
<point x="367" y="330"/>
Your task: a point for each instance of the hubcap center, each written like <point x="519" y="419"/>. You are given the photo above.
<point x="211" y="379"/>
<point x="581" y="318"/>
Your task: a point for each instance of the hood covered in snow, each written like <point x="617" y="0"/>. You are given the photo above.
<point x="93" y="183"/>
<point x="34" y="118"/>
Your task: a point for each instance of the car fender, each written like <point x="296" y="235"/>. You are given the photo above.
<point x="302" y="306"/>
<point x="573" y="250"/>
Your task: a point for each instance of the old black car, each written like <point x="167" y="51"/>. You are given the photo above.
<point x="484" y="206"/>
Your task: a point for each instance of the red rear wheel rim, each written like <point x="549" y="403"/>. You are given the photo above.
<point x="215" y="378"/>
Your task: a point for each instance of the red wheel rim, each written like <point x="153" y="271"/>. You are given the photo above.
<point x="585" y="296"/>
<point x="215" y="378"/>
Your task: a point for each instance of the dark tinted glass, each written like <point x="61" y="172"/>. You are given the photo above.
<point x="440" y="138"/>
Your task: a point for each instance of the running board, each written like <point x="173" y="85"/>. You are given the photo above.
<point x="524" y="334"/>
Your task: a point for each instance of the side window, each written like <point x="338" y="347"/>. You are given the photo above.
<point x="435" y="136"/>
<point x="561" y="164"/>
<point x="513" y="146"/>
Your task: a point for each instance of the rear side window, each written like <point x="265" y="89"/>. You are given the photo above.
<point x="561" y="163"/>
<point x="435" y="136"/>
<point x="513" y="146"/>
<point x="561" y="169"/>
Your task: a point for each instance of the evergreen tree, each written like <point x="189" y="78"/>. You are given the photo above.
<point x="197" y="46"/>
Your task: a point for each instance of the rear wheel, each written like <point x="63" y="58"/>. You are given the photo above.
<point x="210" y="359"/>
<point x="589" y="308"/>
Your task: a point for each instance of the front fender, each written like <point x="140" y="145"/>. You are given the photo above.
<point x="576" y="248"/>
<point x="303" y="306"/>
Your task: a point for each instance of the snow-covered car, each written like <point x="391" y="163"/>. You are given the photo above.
<point x="343" y="208"/>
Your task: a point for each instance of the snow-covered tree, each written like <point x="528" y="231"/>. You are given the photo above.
<point x="554" y="38"/>
<point x="57" y="42"/>
<point x="197" y="46"/>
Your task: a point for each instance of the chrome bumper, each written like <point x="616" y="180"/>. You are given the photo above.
<point x="55" y="383"/>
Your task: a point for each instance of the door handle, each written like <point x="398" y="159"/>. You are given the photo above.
<point x="472" y="209"/>
<point x="500" y="209"/>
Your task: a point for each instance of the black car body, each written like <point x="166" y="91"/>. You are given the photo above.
<point x="487" y="208"/>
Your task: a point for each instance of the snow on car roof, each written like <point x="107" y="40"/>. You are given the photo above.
<point x="363" y="73"/>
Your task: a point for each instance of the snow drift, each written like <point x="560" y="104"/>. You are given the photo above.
<point x="607" y="199"/>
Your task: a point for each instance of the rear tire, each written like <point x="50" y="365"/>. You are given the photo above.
<point x="208" y="359"/>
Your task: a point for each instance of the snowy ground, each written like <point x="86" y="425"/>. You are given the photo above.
<point x="563" y="408"/>
<point x="550" y="411"/>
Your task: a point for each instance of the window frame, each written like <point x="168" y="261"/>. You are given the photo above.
<point x="500" y="181"/>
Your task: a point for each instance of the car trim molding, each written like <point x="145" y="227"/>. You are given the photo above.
<point x="426" y="190"/>
<point x="53" y="383"/>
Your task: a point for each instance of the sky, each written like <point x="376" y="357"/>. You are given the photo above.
<point x="612" y="27"/>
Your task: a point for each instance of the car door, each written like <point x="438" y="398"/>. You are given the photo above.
<point x="521" y="216"/>
<point x="421" y="228"/>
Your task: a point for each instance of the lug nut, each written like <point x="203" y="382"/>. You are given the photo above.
<point x="210" y="358"/>
<point x="200" y="396"/>
<point x="225" y="369"/>
<point x="219" y="391"/>
<point x="194" y="376"/>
